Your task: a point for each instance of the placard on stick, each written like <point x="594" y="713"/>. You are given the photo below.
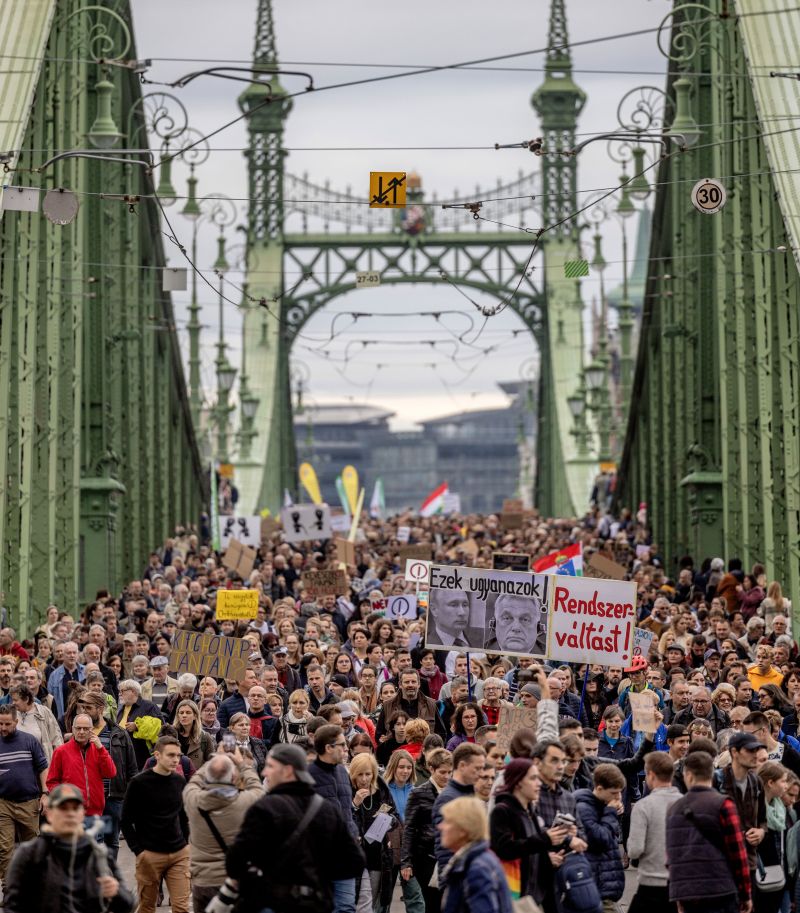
<point x="325" y="583"/>
<point x="209" y="654"/>
<point x="510" y="561"/>
<point x="644" y="710"/>
<point x="233" y="605"/>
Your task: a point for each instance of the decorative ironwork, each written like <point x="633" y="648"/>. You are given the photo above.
<point x="684" y="33"/>
<point x="99" y="39"/>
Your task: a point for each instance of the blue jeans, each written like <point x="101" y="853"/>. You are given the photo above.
<point x="344" y="896"/>
<point x="113" y="814"/>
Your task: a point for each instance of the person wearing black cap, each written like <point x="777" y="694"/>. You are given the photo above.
<point x="63" y="869"/>
<point x="292" y="845"/>
<point x="740" y="782"/>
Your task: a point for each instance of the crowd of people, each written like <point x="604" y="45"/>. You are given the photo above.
<point x="348" y="764"/>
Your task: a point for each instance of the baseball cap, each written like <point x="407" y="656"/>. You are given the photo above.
<point x="339" y="679"/>
<point x="281" y="651"/>
<point x="712" y="652"/>
<point x="158" y="661"/>
<point x="293" y="756"/>
<point x="253" y="657"/>
<point x="346" y="710"/>
<point x="65" y="792"/>
<point x="745" y="740"/>
<point x="130" y="638"/>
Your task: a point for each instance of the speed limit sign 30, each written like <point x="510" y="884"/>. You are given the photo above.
<point x="709" y="196"/>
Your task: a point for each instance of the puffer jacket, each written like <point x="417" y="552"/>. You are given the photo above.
<point x="331" y="782"/>
<point x="601" y="824"/>
<point x="475" y="882"/>
<point x="227" y="807"/>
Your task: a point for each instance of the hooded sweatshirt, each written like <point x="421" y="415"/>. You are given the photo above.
<point x="227" y="804"/>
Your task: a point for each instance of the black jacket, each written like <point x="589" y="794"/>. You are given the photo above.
<point x="331" y="782"/>
<point x="325" y="853"/>
<point x="124" y="758"/>
<point x="37" y="876"/>
<point x="515" y="833"/>
<point x="419" y="834"/>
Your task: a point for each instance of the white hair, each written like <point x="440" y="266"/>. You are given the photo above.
<point x="187" y="680"/>
<point x="130" y="685"/>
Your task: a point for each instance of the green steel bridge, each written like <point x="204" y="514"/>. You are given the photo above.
<point x="103" y="440"/>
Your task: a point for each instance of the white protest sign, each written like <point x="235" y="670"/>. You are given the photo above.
<point x="417" y="570"/>
<point x="378" y="603"/>
<point x="306" y="521"/>
<point x="403" y="533"/>
<point x="246" y="530"/>
<point x="340" y="523"/>
<point x="591" y="621"/>
<point x="402" y="607"/>
<point x="642" y="640"/>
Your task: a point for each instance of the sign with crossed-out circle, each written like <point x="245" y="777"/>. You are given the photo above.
<point x="402" y="607"/>
<point x="418" y="570"/>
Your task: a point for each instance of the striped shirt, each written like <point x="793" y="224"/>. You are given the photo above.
<point x="22" y="759"/>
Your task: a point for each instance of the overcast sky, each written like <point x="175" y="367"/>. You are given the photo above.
<point x="453" y="108"/>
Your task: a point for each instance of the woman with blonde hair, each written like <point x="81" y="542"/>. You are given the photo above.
<point x="369" y="794"/>
<point x="417" y="731"/>
<point x="294" y="721"/>
<point x="474" y="879"/>
<point x="196" y="744"/>
<point x="774" y="603"/>
<point x="724" y="697"/>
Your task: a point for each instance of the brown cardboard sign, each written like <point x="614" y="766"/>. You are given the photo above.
<point x="512" y="506"/>
<point x="239" y="558"/>
<point x="512" y="520"/>
<point x="511" y="720"/>
<point x="604" y="568"/>
<point x="345" y="551"/>
<point x="209" y="654"/>
<point x="269" y="525"/>
<point x="325" y="583"/>
<point x="421" y="551"/>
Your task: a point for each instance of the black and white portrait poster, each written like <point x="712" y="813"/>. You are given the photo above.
<point x="498" y="612"/>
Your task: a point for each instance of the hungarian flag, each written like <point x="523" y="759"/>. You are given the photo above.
<point x="434" y="503"/>
<point x="567" y="561"/>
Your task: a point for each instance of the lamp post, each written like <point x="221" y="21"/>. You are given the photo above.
<point x="577" y="407"/>
<point x="226" y="373"/>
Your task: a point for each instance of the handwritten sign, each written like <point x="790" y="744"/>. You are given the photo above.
<point x="246" y="529"/>
<point x="511" y="720"/>
<point x="512" y="506"/>
<point x="642" y="641"/>
<point x="378" y="603"/>
<point x="209" y="654"/>
<point x="403" y="533"/>
<point x="325" y="583"/>
<point x="591" y="621"/>
<point x="235" y="604"/>
<point x="402" y="607"/>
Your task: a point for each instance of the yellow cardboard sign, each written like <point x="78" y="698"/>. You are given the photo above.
<point x="387" y="189"/>
<point x="235" y="604"/>
<point x="226" y="470"/>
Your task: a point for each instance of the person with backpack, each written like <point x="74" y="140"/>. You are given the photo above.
<point x="599" y="810"/>
<point x="292" y="845"/>
<point x="216" y="800"/>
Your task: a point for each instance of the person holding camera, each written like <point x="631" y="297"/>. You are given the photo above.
<point x="63" y="869"/>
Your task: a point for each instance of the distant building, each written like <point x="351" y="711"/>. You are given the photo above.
<point x="477" y="452"/>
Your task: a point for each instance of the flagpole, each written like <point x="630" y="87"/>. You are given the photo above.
<point x="469" y="678"/>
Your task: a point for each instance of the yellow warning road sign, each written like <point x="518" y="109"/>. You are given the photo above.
<point x="387" y="189"/>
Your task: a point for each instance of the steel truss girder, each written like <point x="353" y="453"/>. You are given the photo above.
<point x="328" y="265"/>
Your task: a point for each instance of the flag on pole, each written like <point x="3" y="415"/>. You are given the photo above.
<point x="434" y="503"/>
<point x="567" y="561"/>
<point x="287" y="498"/>
<point x="377" y="506"/>
<point x="309" y="481"/>
<point x="350" y="483"/>
<point x="342" y="495"/>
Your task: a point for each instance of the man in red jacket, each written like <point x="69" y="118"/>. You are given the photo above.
<point x="83" y="762"/>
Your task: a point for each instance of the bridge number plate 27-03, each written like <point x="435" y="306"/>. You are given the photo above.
<point x="709" y="196"/>
<point x="368" y="279"/>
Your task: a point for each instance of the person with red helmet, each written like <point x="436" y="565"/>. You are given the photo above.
<point x="636" y="673"/>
